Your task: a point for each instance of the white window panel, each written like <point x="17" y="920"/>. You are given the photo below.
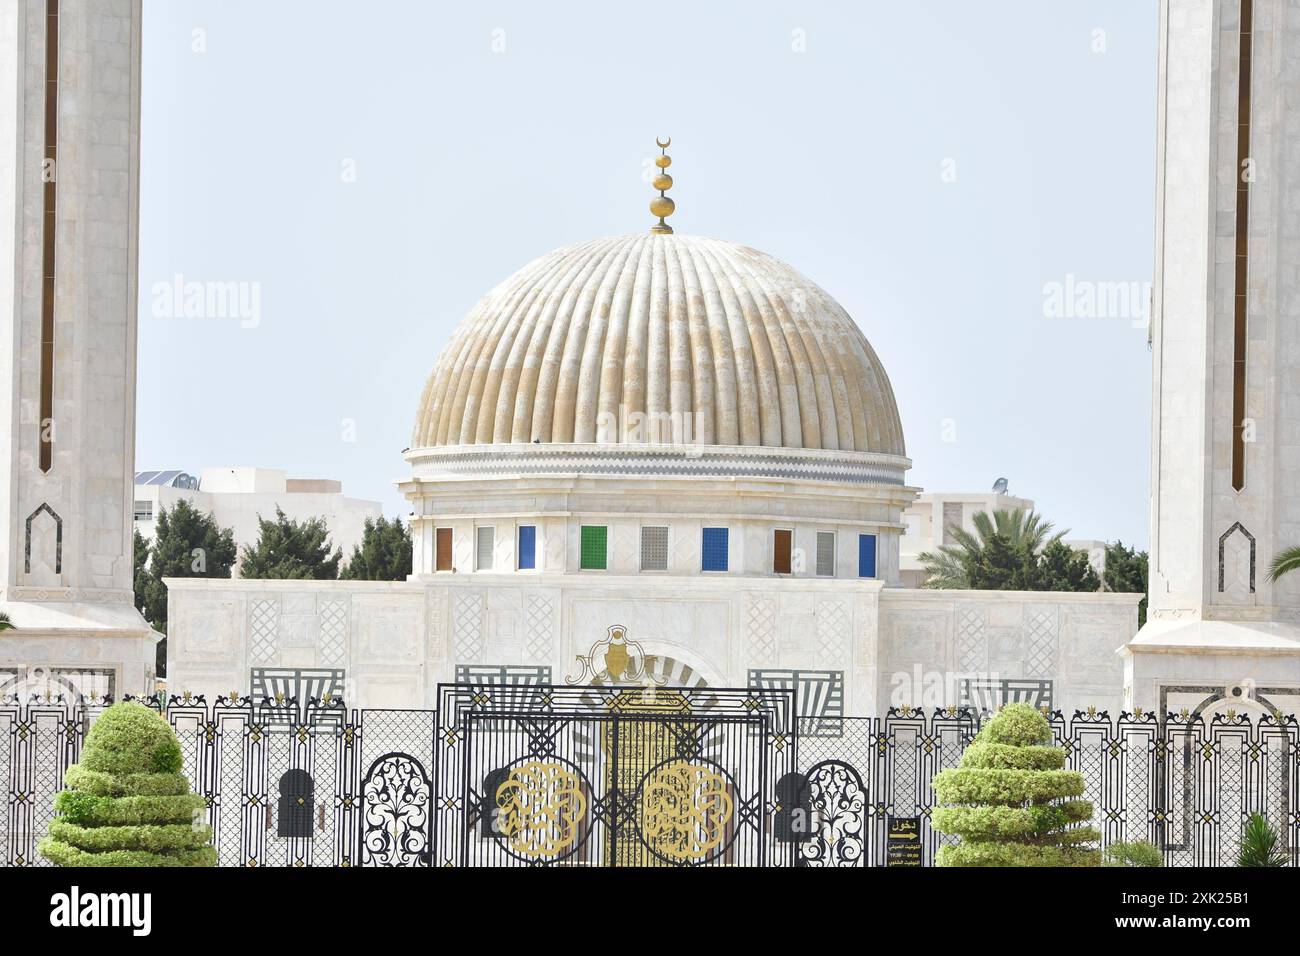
<point x="654" y="549"/>
<point x="826" y="554"/>
<point x="486" y="540"/>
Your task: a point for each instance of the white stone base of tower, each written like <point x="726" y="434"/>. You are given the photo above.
<point x="76" y="650"/>
<point x="1202" y="667"/>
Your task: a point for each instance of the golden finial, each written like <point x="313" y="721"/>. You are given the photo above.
<point x="661" y="205"/>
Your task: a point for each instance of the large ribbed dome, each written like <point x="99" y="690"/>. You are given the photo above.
<point x="729" y="345"/>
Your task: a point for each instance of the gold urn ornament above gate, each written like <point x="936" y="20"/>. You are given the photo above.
<point x="615" y="660"/>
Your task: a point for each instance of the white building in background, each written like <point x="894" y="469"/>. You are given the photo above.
<point x="236" y="497"/>
<point x="928" y="522"/>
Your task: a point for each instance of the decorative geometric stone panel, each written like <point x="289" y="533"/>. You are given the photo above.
<point x="988" y="694"/>
<point x="539" y="617"/>
<point x="49" y="540"/>
<point x="435" y="622"/>
<point x="833" y="635"/>
<point x="686" y="550"/>
<point x="333" y="632"/>
<point x="972" y="641"/>
<point x="1237" y="561"/>
<point x="282" y="684"/>
<point x="1040" y="642"/>
<point x="819" y="696"/>
<point x="467" y="626"/>
<point x="507" y="686"/>
<point x="264" y="631"/>
<point x="762" y="631"/>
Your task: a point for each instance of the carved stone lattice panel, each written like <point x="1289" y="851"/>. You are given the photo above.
<point x="762" y="637"/>
<point x="833" y="634"/>
<point x="1040" y="642"/>
<point x="539" y="618"/>
<point x="333" y="632"/>
<point x="264" y="631"/>
<point x="972" y="640"/>
<point x="467" y="626"/>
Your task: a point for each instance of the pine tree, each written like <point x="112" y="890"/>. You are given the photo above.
<point x="127" y="802"/>
<point x="1063" y="568"/>
<point x="1126" y="573"/>
<point x="291" y="550"/>
<point x="384" y="553"/>
<point x="140" y="577"/>
<point x="187" y="544"/>
<point x="1011" y="802"/>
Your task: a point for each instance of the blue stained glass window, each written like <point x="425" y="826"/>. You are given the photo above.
<point x="866" y="555"/>
<point x="527" y="547"/>
<point x="714" y="549"/>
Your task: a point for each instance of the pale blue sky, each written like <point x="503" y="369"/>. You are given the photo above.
<point x="470" y="162"/>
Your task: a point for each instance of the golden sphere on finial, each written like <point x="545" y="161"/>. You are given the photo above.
<point x="661" y="205"/>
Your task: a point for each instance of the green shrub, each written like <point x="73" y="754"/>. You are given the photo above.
<point x="1135" y="853"/>
<point x="128" y="804"/>
<point x="1260" y="845"/>
<point x="1009" y="802"/>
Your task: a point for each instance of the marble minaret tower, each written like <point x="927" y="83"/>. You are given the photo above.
<point x="1225" y="457"/>
<point x="69" y="195"/>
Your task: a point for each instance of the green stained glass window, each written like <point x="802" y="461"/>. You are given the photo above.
<point x="595" y="538"/>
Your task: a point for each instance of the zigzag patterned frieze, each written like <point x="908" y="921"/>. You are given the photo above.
<point x="632" y="463"/>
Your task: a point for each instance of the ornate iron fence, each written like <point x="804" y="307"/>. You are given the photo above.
<point x="324" y="785"/>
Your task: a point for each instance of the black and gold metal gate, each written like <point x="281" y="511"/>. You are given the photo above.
<point x="610" y="775"/>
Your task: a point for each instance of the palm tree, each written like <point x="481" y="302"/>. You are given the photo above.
<point x="1284" y="562"/>
<point x="5" y="623"/>
<point x="946" y="568"/>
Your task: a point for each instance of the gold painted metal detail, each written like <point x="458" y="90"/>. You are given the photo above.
<point x="49" y="177"/>
<point x="686" y="810"/>
<point x="615" y="659"/>
<point x="540" y="808"/>
<point x="661" y="205"/>
<point x="1241" y="274"/>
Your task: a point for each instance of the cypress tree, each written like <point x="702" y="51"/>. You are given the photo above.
<point x="1011" y="801"/>
<point x="127" y="802"/>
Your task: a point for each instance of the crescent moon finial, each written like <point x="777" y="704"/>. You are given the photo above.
<point x="661" y="205"/>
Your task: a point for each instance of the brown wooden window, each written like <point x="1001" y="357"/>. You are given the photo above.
<point x="782" y="545"/>
<point x="442" y="546"/>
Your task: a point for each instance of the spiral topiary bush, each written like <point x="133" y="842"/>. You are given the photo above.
<point x="127" y="802"/>
<point x="1010" y="800"/>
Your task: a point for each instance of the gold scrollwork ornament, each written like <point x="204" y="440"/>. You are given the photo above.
<point x="540" y="808"/>
<point x="685" y="810"/>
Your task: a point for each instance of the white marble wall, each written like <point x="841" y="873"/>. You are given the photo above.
<point x="930" y="641"/>
<point x="399" y="640"/>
